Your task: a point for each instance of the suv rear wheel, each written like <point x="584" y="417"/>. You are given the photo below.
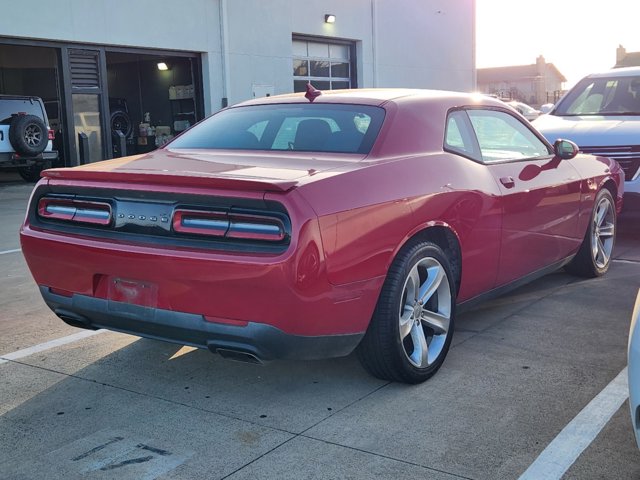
<point x="32" y="173"/>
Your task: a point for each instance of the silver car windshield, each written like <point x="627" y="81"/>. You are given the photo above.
<point x="602" y="96"/>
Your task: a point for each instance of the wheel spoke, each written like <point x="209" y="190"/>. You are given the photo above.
<point x="437" y="322"/>
<point x="600" y="213"/>
<point x="607" y="230"/>
<point x="420" y="355"/>
<point x="435" y="275"/>
<point x="413" y="285"/>
<point x="602" y="256"/>
<point x="406" y="321"/>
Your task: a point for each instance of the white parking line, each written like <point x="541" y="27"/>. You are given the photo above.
<point x="48" y="345"/>
<point x="621" y="260"/>
<point x="11" y="251"/>
<point x="564" y="450"/>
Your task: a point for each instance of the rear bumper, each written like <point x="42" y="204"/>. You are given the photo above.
<point x="15" y="160"/>
<point x="264" y="342"/>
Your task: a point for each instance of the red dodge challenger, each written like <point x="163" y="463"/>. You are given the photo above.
<point x="307" y="226"/>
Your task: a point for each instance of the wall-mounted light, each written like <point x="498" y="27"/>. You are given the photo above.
<point x="163" y="66"/>
<point x="329" y="18"/>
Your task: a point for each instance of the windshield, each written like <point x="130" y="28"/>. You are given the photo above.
<point x="602" y="96"/>
<point x="298" y="127"/>
<point x="14" y="106"/>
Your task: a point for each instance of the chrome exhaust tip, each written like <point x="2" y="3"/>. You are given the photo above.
<point x="239" y="356"/>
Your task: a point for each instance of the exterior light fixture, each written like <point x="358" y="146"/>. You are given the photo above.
<point x="329" y="18"/>
<point x="163" y="66"/>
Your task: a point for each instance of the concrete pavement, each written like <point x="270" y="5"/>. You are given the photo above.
<point x="116" y="406"/>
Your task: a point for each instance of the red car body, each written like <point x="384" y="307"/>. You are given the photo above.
<point x="338" y="220"/>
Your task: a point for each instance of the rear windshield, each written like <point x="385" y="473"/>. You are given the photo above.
<point x="299" y="127"/>
<point x="11" y="106"/>
<point x="602" y="96"/>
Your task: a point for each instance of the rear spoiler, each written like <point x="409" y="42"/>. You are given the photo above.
<point x="171" y="179"/>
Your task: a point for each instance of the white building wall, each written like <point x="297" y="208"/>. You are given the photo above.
<point x="409" y="43"/>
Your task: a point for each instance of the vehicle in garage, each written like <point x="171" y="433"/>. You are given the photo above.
<point x="309" y="225"/>
<point x="601" y="113"/>
<point x="25" y="136"/>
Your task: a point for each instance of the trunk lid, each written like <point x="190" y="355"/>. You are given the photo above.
<point x="280" y="171"/>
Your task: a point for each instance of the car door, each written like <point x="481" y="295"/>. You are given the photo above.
<point x="540" y="194"/>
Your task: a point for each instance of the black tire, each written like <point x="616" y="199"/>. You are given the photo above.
<point x="31" y="174"/>
<point x="28" y="135"/>
<point x="387" y="350"/>
<point x="120" y="120"/>
<point x="594" y="256"/>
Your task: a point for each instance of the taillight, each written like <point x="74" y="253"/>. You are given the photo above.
<point x="255" y="227"/>
<point x="200" y="222"/>
<point x="52" y="134"/>
<point x="229" y="225"/>
<point x="82" y="211"/>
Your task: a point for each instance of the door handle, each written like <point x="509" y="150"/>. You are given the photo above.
<point x="508" y="182"/>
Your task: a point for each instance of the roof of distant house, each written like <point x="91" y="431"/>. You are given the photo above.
<point x="514" y="73"/>
<point x="631" y="59"/>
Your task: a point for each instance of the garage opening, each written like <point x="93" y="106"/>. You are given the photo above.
<point x="152" y="98"/>
<point x="34" y="71"/>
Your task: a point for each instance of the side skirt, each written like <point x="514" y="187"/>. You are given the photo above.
<point x="496" y="292"/>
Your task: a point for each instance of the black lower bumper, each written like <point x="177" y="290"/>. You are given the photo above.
<point x="13" y="160"/>
<point x="264" y="342"/>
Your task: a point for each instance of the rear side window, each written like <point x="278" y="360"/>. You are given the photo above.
<point x="459" y="136"/>
<point x="296" y="127"/>
<point x="12" y="106"/>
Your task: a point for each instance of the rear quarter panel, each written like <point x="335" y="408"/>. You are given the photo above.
<point x="367" y="215"/>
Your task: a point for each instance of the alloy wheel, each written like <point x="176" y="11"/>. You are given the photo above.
<point x="425" y="312"/>
<point x="602" y="232"/>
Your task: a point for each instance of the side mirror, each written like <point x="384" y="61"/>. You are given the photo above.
<point x="565" y="149"/>
<point x="546" y="108"/>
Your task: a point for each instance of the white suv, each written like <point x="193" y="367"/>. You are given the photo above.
<point x="26" y="141"/>
<point x="601" y="113"/>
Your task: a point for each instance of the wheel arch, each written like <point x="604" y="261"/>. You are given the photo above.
<point x="446" y="238"/>
<point x="611" y="185"/>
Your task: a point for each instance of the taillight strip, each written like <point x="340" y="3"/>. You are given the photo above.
<point x="200" y="222"/>
<point x="229" y="225"/>
<point x="255" y="227"/>
<point x="82" y="211"/>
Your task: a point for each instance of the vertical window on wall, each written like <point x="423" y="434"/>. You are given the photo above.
<point x="326" y="65"/>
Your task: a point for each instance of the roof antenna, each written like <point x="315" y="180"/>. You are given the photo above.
<point x="312" y="92"/>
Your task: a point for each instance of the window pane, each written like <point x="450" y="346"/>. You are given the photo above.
<point x="86" y="118"/>
<point x="339" y="85"/>
<point x="9" y="107"/>
<point x="318" y="50"/>
<point x="320" y="85"/>
<point x="300" y="68"/>
<point x="301" y="127"/>
<point x="453" y="137"/>
<point x="503" y="137"/>
<point x="340" y="69"/>
<point x="300" y="86"/>
<point x="258" y="129"/>
<point x="299" y="48"/>
<point x="319" y="68"/>
<point x="339" y="51"/>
